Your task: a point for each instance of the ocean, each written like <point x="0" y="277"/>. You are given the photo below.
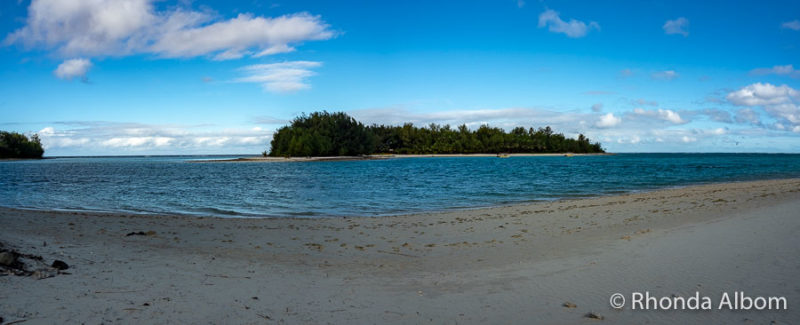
<point x="174" y="185"/>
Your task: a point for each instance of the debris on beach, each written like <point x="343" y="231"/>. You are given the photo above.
<point x="141" y="233"/>
<point x="593" y="316"/>
<point x="569" y="305"/>
<point x="14" y="263"/>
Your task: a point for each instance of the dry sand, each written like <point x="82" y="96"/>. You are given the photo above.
<point x="508" y="265"/>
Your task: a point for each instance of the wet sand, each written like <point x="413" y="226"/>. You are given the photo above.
<point x="514" y="265"/>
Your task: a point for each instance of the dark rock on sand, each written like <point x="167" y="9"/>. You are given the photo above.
<point x="60" y="265"/>
<point x="141" y="233"/>
<point x="7" y="258"/>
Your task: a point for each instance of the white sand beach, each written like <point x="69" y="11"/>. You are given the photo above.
<point x="505" y="265"/>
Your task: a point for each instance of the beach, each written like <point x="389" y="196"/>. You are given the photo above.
<point x="395" y="156"/>
<point x="546" y="262"/>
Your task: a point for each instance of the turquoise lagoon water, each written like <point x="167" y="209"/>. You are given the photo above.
<point x="172" y="185"/>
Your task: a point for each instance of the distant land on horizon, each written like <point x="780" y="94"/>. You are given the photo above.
<point x="338" y="134"/>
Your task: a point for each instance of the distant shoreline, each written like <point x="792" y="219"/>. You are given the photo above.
<point x="15" y="159"/>
<point x="393" y="156"/>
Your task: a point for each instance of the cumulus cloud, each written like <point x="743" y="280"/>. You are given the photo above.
<point x="608" y="121"/>
<point x="664" y="75"/>
<point x="761" y="94"/>
<point x="284" y="77"/>
<point x="87" y="28"/>
<point x="111" y="137"/>
<point x="73" y="68"/>
<point x="572" y="28"/>
<point x="99" y="28"/>
<point x="679" y="25"/>
<point x="235" y="38"/>
<point x="793" y="25"/>
<point x="781" y="70"/>
<point x="780" y="102"/>
<point x="662" y="114"/>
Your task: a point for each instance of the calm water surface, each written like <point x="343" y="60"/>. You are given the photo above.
<point x="378" y="187"/>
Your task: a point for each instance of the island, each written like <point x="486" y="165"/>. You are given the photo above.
<point x="326" y="134"/>
<point x="14" y="145"/>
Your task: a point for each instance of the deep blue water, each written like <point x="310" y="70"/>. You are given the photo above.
<point x="358" y="188"/>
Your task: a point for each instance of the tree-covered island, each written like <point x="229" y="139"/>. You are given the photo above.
<point x="16" y="145"/>
<point x="338" y="134"/>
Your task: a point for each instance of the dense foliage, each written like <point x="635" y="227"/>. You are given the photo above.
<point x="338" y="134"/>
<point x="15" y="145"/>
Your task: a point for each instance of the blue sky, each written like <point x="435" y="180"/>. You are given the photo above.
<point x="186" y="77"/>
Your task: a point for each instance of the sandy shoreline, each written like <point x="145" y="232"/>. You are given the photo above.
<point x="515" y="264"/>
<point x="393" y="156"/>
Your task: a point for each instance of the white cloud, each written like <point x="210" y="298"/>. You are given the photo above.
<point x="597" y="107"/>
<point x="47" y="131"/>
<point x="573" y="28"/>
<point x="664" y="75"/>
<point x="284" y="77"/>
<point x="87" y="28"/>
<point x="781" y="70"/>
<point x="234" y="38"/>
<point x="663" y="114"/>
<point x="688" y="139"/>
<point x="677" y="26"/>
<point x="789" y="112"/>
<point x="719" y="131"/>
<point x="780" y="102"/>
<point x="137" y="142"/>
<point x="121" y="138"/>
<point x="634" y="139"/>
<point x="761" y="94"/>
<point x="74" y="68"/>
<point x="100" y="28"/>
<point x="747" y="115"/>
<point x="608" y="121"/>
<point x="793" y="25"/>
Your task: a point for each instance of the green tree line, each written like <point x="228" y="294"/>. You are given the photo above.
<point x="338" y="134"/>
<point x="15" y="145"/>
